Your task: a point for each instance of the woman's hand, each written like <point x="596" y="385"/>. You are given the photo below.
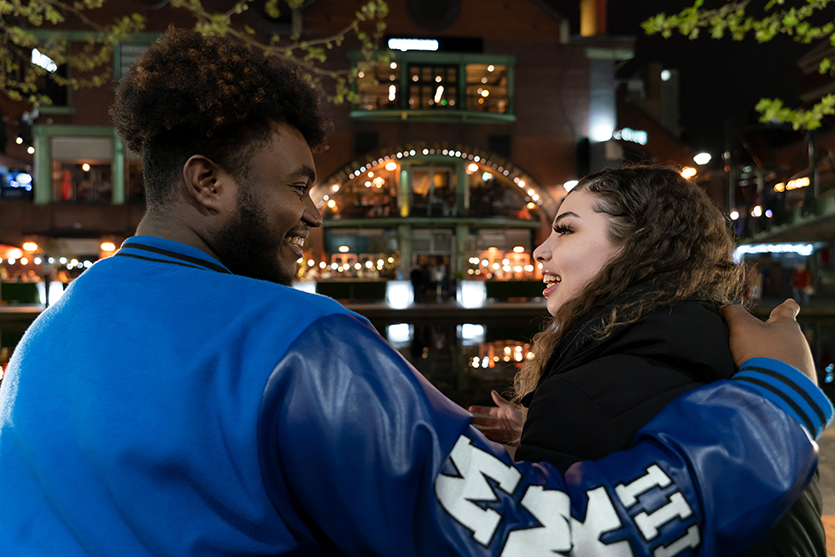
<point x="502" y="423"/>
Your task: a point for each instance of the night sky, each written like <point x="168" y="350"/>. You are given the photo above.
<point x="718" y="79"/>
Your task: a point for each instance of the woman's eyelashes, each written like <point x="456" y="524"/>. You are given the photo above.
<point x="561" y="229"/>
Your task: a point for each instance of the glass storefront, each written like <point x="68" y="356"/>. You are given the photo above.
<point x="433" y="191"/>
<point x="469" y="215"/>
<point x="372" y="194"/>
<point x="375" y="191"/>
<point x="134" y="188"/>
<point x="493" y="195"/>
<point x="82" y="169"/>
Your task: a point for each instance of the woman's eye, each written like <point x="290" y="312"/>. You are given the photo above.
<point x="561" y="230"/>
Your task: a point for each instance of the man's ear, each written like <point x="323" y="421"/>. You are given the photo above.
<point x="206" y="182"/>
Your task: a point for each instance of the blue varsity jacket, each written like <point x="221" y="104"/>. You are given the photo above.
<point x="167" y="407"/>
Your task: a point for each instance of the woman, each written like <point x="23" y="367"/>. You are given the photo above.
<point x="636" y="268"/>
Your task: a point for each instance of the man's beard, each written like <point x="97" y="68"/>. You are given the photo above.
<point x="247" y="248"/>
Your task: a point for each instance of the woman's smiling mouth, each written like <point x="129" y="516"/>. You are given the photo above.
<point x="551" y="281"/>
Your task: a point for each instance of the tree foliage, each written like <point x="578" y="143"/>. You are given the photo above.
<point x="367" y="25"/>
<point x="91" y="62"/>
<point x="735" y="19"/>
<point x="20" y="77"/>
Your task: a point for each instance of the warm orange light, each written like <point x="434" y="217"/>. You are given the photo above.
<point x="343" y="249"/>
<point x="519" y="249"/>
<point x="332" y="204"/>
<point x="472" y="167"/>
<point x="108" y="246"/>
<point x="799" y="183"/>
<point x="30" y="246"/>
<point x="85" y="167"/>
<point x="779" y="187"/>
<point x="391" y="165"/>
<point x="688" y="172"/>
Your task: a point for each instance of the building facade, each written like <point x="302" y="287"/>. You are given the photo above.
<point x="454" y="157"/>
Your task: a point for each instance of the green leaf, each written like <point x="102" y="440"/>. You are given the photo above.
<point x="271" y="8"/>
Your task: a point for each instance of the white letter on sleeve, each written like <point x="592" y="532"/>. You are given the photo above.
<point x="551" y="509"/>
<point x="601" y="518"/>
<point x="458" y="494"/>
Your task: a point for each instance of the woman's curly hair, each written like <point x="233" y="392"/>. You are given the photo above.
<point x="671" y="238"/>
<point x="190" y="94"/>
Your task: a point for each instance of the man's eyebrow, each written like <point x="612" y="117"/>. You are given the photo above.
<point x="566" y="214"/>
<point x="305" y="172"/>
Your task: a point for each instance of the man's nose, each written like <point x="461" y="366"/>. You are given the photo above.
<point x="312" y="216"/>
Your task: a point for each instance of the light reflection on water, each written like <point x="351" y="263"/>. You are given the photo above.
<point x="465" y="361"/>
<point x="445" y="350"/>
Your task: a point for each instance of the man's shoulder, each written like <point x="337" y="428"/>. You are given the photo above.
<point x="275" y="301"/>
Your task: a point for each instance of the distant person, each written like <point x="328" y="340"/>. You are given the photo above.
<point x="181" y="399"/>
<point x="416" y="279"/>
<point x="636" y="269"/>
<point x="802" y="285"/>
<point x="754" y="285"/>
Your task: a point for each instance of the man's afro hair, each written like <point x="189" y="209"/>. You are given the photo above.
<point x="191" y="94"/>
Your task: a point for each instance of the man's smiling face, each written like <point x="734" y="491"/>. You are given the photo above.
<point x="264" y="237"/>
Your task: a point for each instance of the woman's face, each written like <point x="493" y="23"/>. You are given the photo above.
<point x="576" y="251"/>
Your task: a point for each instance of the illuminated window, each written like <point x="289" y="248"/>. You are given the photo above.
<point x="436" y="85"/>
<point x="379" y="88"/>
<point x="433" y="87"/>
<point x="372" y="194"/>
<point x="487" y="88"/>
<point x="134" y="188"/>
<point x="46" y="84"/>
<point x="82" y="169"/>
<point x="492" y="194"/>
<point x="433" y="192"/>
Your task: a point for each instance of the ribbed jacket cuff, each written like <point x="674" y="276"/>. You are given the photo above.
<point x="790" y="390"/>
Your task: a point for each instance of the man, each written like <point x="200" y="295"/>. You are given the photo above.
<point x="179" y="400"/>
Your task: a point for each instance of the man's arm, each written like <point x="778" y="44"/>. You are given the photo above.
<point x="359" y="449"/>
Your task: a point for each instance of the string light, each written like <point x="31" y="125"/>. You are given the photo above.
<point x="518" y="179"/>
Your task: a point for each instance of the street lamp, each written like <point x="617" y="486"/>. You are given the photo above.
<point x="702" y="158"/>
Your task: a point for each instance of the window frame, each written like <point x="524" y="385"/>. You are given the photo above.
<point x="70" y="36"/>
<point x="135" y="39"/>
<point x="461" y="60"/>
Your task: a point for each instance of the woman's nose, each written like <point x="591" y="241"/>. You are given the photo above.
<point x="542" y="253"/>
